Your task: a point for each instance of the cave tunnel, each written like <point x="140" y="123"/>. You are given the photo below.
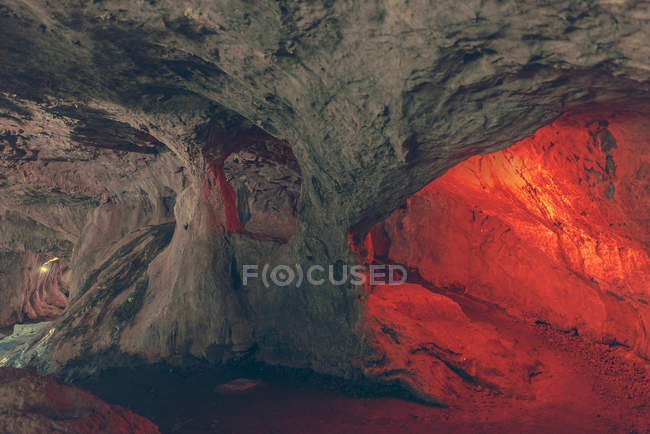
<point x="547" y="236"/>
<point x="361" y="217"/>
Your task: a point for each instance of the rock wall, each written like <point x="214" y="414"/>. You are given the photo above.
<point x="125" y="116"/>
<point x="553" y="229"/>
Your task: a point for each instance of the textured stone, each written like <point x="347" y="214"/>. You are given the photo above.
<point x="38" y="404"/>
<point x="431" y="347"/>
<point x="140" y="109"/>
<point x="534" y="230"/>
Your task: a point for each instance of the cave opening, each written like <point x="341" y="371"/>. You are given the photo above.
<point x="257" y="176"/>
<point x="515" y="259"/>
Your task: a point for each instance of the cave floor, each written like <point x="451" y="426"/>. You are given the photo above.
<point x="582" y="387"/>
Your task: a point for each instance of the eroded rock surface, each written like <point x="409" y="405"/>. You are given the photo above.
<point x="130" y="142"/>
<point x="553" y="229"/>
<point x="31" y="404"/>
<point x="430" y="344"/>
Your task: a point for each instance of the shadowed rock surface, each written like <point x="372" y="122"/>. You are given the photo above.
<point x="157" y="147"/>
<point x="31" y="404"/>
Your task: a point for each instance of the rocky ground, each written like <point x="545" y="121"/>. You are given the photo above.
<point x="581" y="388"/>
<point x="33" y="404"/>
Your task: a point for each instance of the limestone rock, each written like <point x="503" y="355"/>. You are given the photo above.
<point x="120" y="124"/>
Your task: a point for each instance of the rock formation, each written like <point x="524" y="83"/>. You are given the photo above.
<point x="553" y="229"/>
<point x="157" y="147"/>
<point x="37" y="404"/>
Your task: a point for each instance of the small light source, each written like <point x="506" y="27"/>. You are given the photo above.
<point x="44" y="268"/>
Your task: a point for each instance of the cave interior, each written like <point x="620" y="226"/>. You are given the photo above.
<point x="174" y="176"/>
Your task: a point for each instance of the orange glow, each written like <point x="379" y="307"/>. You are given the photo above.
<point x="555" y="229"/>
<point x="553" y="191"/>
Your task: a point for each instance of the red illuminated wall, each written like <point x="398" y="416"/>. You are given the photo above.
<point x="554" y="228"/>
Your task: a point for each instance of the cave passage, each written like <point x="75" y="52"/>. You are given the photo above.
<point x="190" y="192"/>
<point x="547" y="237"/>
<point x="258" y="180"/>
